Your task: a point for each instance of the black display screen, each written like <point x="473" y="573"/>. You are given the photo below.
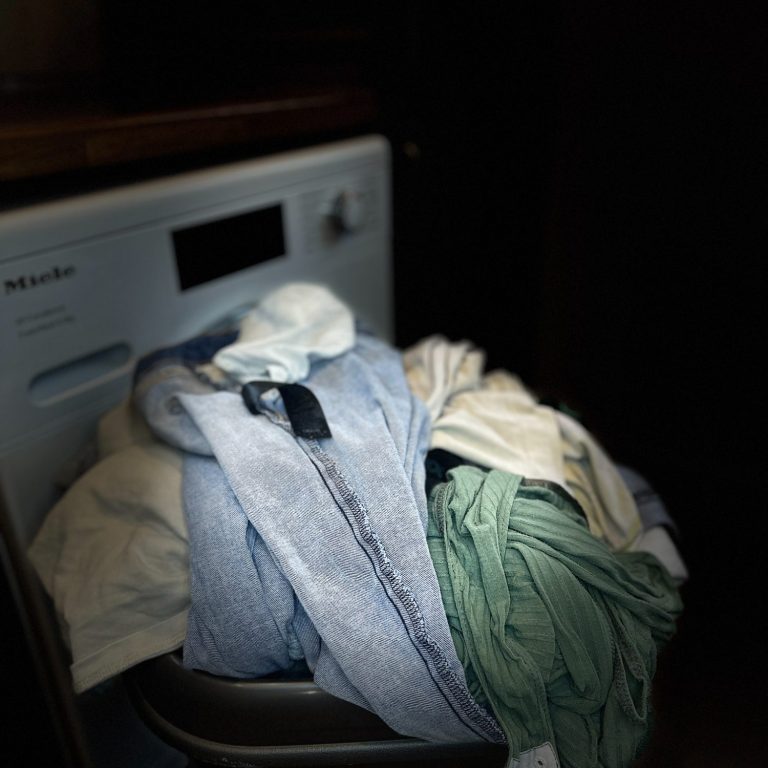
<point x="206" y="252"/>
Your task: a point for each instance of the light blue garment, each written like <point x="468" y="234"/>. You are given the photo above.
<point x="317" y="546"/>
<point x="247" y="596"/>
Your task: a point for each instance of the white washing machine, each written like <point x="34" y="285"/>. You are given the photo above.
<point x="90" y="284"/>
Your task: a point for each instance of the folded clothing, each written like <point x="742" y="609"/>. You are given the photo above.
<point x="557" y="633"/>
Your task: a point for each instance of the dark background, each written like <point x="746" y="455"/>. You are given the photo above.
<point x="588" y="208"/>
<point x="577" y="189"/>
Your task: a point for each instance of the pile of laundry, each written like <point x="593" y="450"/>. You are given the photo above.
<point x="436" y="545"/>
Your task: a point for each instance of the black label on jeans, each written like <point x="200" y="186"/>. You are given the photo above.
<point x="304" y="410"/>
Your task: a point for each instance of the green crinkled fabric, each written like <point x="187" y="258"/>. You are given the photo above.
<point x="558" y="635"/>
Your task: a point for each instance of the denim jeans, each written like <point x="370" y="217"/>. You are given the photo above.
<point x="317" y="546"/>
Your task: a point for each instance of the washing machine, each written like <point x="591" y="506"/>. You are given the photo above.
<point x="90" y="284"/>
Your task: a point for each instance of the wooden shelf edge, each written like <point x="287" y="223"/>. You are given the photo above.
<point x="94" y="138"/>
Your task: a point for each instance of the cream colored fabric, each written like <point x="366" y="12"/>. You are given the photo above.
<point x="113" y="554"/>
<point x="500" y="426"/>
<point x="595" y="482"/>
<point x="120" y="428"/>
<point x="437" y="370"/>
<point x="494" y="421"/>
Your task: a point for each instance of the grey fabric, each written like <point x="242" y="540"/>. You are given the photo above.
<point x="652" y="509"/>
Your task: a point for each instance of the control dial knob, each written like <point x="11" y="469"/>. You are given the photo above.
<point x="344" y="213"/>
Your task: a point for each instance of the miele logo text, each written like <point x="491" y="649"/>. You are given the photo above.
<point x="25" y="282"/>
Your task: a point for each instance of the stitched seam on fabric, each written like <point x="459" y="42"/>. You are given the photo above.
<point x="417" y="629"/>
<point x="389" y="597"/>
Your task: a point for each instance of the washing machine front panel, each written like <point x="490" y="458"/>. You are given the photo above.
<point x="91" y="284"/>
